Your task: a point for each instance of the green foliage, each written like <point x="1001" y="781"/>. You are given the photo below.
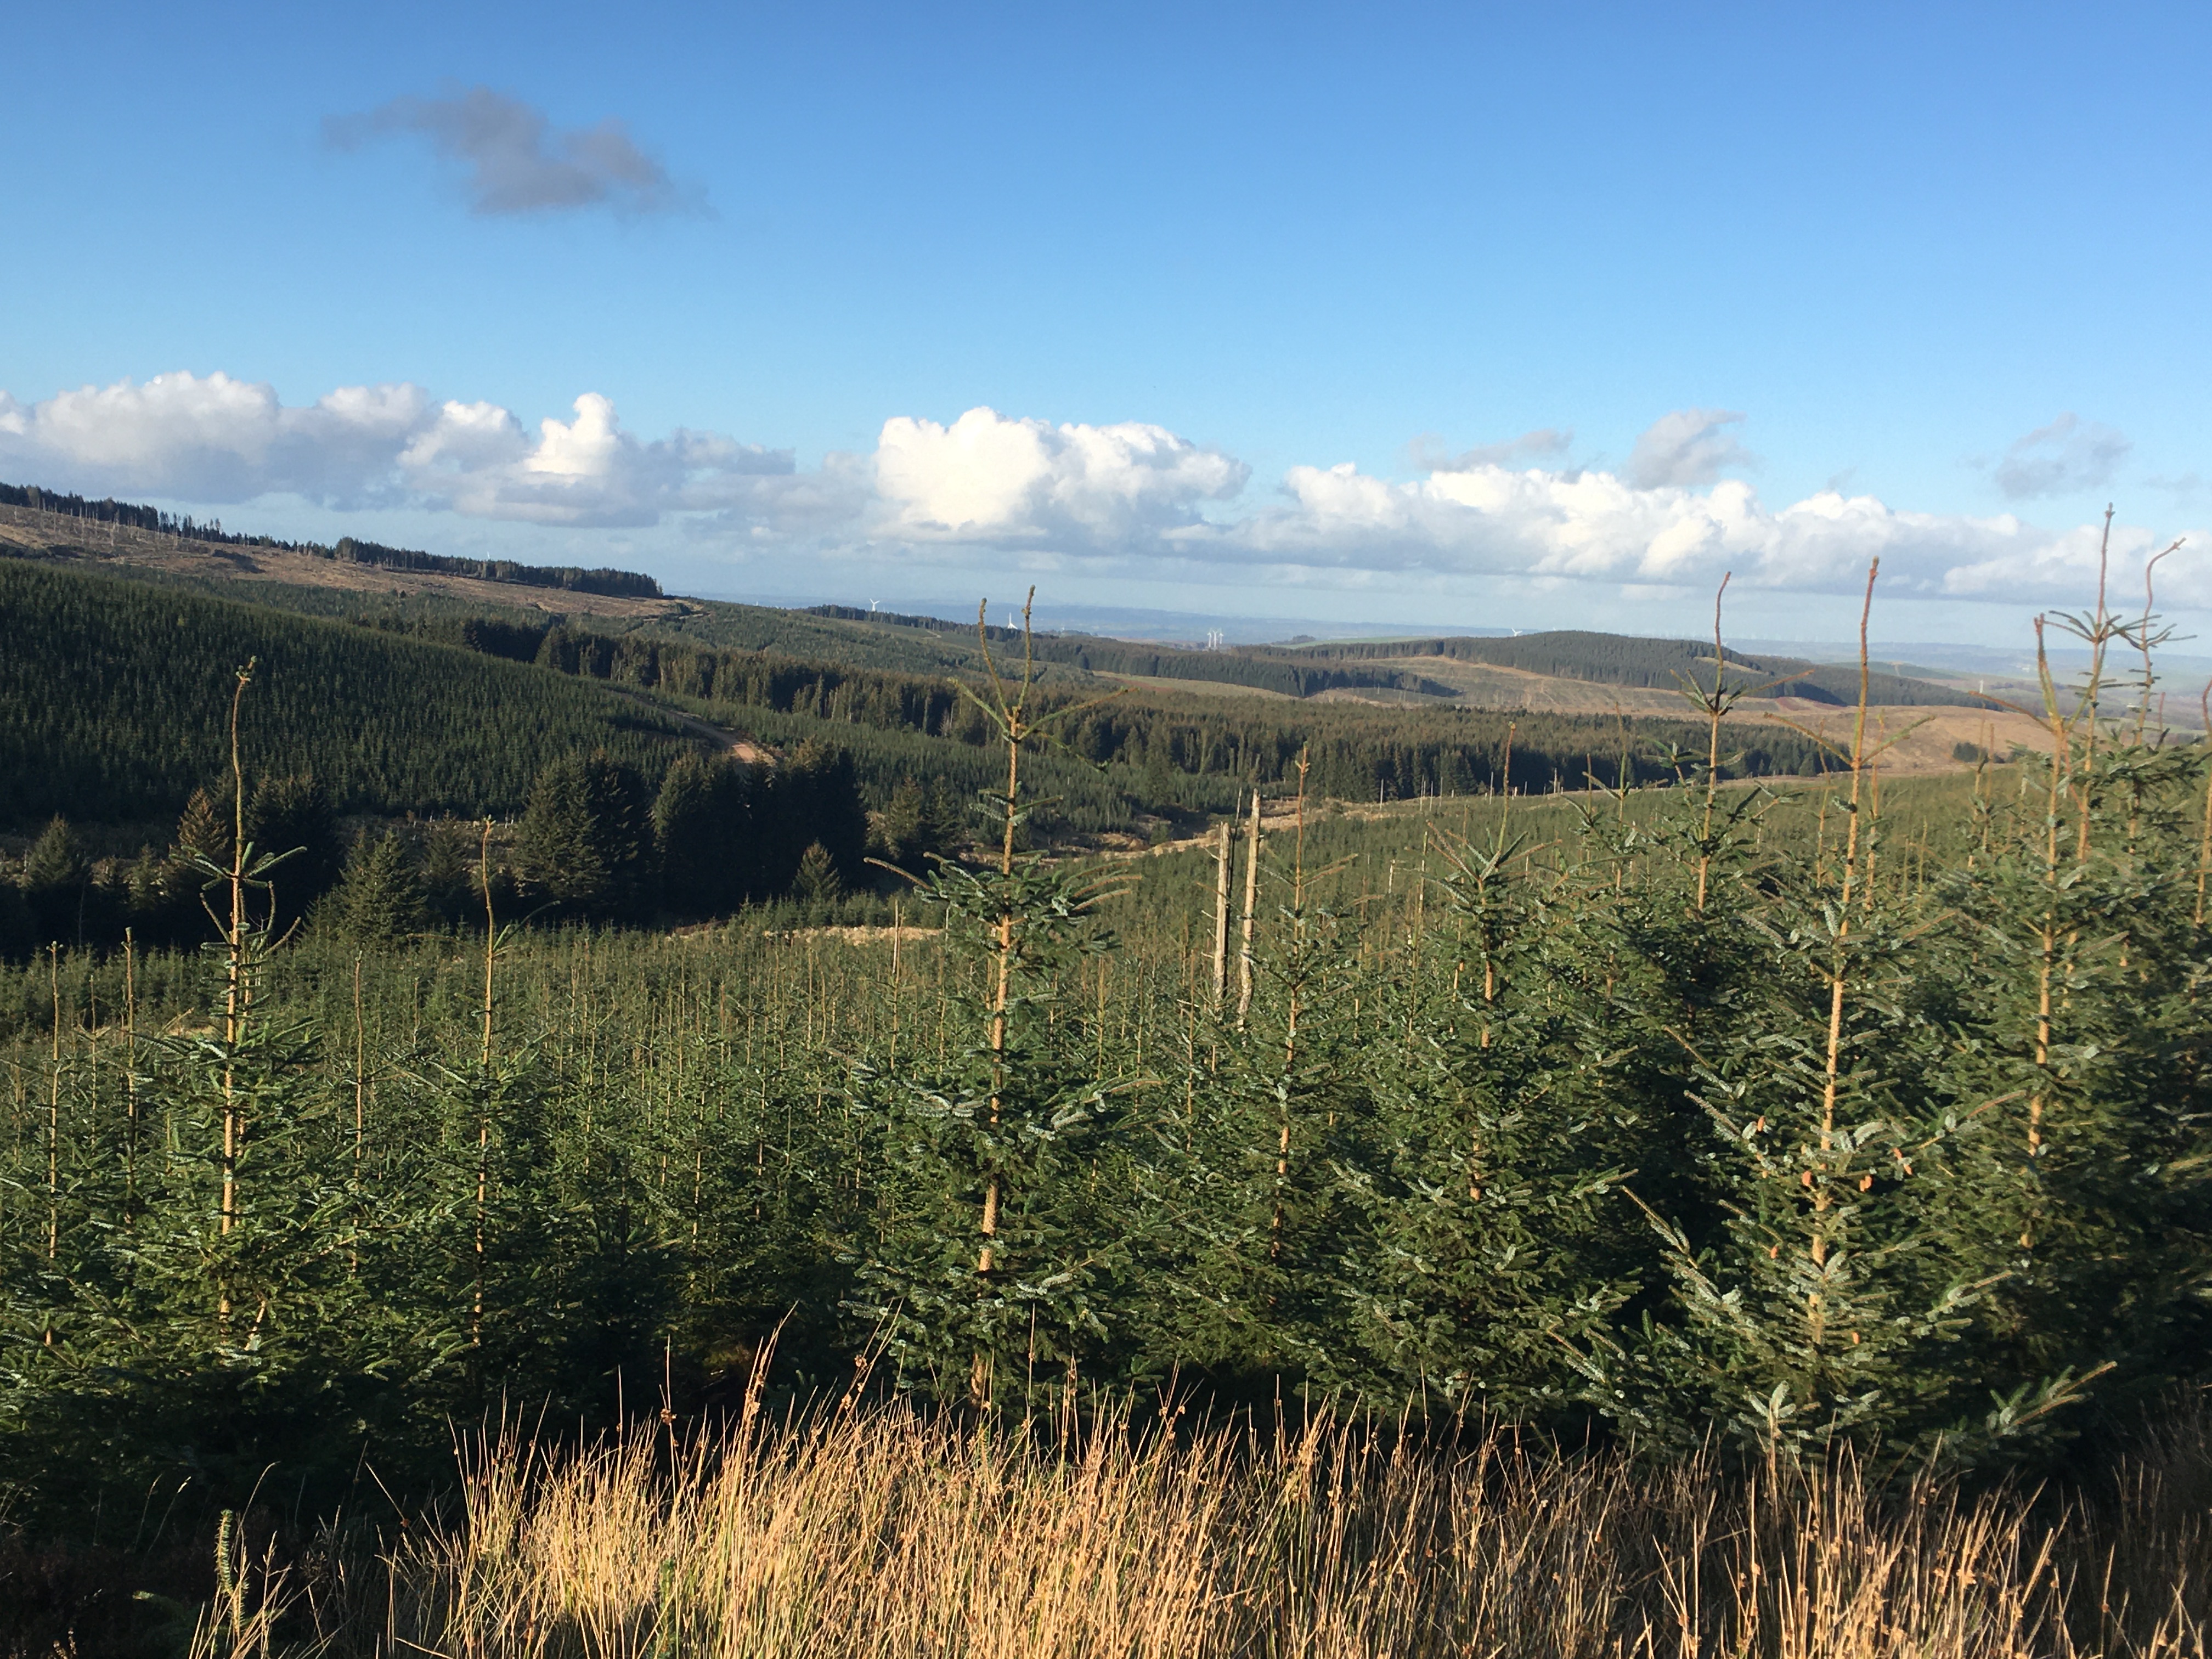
<point x="1491" y="1162"/>
<point x="56" y="861"/>
<point x="205" y="831"/>
<point x="1148" y="752"/>
<point x="988" y="1261"/>
<point x="586" y="840"/>
<point x="817" y="882"/>
<point x="703" y="830"/>
<point x="55" y="874"/>
<point x="379" y="899"/>
<point x="111" y="694"/>
<point x="919" y="823"/>
<point x="450" y="872"/>
<point x="1870" y="1112"/>
<point x="292" y="816"/>
<point x="813" y="800"/>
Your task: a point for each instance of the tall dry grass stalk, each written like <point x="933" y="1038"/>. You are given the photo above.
<point x="880" y="1532"/>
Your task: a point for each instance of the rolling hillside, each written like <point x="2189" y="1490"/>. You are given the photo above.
<point x="360" y="581"/>
<point x="442" y="688"/>
<point x="114" y="697"/>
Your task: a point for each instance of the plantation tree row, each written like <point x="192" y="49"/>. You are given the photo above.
<point x="112" y="696"/>
<point x="1707" y="1114"/>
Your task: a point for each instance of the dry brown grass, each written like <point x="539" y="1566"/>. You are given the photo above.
<point x="880" y="1532"/>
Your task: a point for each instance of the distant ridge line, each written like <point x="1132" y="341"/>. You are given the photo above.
<point x="616" y="584"/>
<point x="1300" y="670"/>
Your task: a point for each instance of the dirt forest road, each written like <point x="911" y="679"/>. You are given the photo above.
<point x="728" y="741"/>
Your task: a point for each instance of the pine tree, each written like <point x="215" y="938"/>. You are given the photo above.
<point x="586" y="840"/>
<point x="703" y="827"/>
<point x="283" y="1328"/>
<point x="56" y="875"/>
<point x="896" y="834"/>
<point x="988" y="1262"/>
<point x="1493" y="1145"/>
<point x="815" y="798"/>
<point x="204" y="830"/>
<point x="378" y="900"/>
<point x="921" y="821"/>
<point x="55" y="860"/>
<point x="817" y="883"/>
<point x="448" y="871"/>
<point x="292" y="817"/>
<point x="1841" y="1220"/>
<point x="2073" y="979"/>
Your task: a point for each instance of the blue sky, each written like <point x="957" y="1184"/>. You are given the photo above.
<point x="1262" y="305"/>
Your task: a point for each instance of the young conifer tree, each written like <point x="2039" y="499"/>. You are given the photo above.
<point x="221" y="1235"/>
<point x="2076" y="982"/>
<point x="1241" y="1218"/>
<point x="984" y="1276"/>
<point x="379" y="899"/>
<point x="491" y="1109"/>
<point x="1819" y="1289"/>
<point x="1495" y="1145"/>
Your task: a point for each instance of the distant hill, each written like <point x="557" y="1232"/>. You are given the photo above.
<point x="76" y="520"/>
<point x="1307" y="671"/>
<point x="423" y="690"/>
<point x="37" y="521"/>
<point x="1627" y="660"/>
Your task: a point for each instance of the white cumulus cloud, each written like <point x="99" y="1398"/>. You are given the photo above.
<point x="992" y="480"/>
<point x="1488" y="520"/>
<point x="1127" y="497"/>
<point x="216" y="439"/>
<point x="213" y="438"/>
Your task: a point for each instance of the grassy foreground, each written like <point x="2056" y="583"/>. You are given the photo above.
<point x="876" y="1530"/>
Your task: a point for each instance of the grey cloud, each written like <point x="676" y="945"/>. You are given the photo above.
<point x="2067" y="455"/>
<point x="1686" y="448"/>
<point x="518" y="162"/>
<point x="1542" y="444"/>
